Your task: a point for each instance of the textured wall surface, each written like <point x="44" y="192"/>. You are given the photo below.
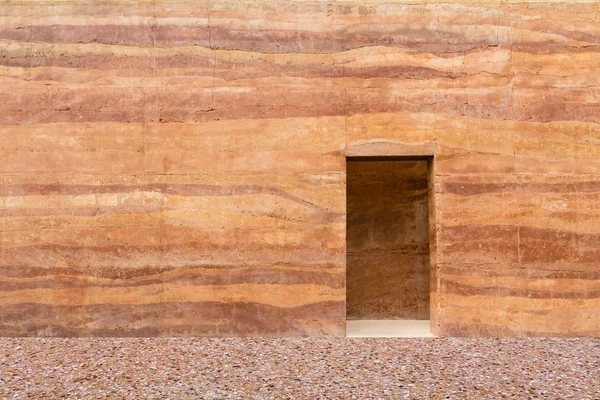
<point x="387" y="240"/>
<point x="178" y="167"/>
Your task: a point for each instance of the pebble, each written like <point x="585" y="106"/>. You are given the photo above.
<point x="307" y="368"/>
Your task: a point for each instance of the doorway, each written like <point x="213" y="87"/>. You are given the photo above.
<point x="387" y="246"/>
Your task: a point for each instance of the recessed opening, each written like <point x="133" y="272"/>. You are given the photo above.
<point x="387" y="246"/>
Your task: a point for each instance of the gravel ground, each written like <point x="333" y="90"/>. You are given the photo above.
<point x="300" y="368"/>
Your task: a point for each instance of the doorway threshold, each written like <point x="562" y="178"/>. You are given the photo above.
<point x="389" y="328"/>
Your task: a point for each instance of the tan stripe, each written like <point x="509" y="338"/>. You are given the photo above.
<point x="275" y="295"/>
<point x="550" y="285"/>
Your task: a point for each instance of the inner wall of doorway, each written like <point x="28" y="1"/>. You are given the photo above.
<point x="387" y="248"/>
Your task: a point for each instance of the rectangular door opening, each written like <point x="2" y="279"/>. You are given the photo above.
<point x="387" y="246"/>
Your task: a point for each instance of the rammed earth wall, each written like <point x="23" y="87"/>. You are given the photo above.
<point x="178" y="167"/>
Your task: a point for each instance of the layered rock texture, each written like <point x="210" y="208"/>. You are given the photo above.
<point x="178" y="167"/>
<point x="387" y="240"/>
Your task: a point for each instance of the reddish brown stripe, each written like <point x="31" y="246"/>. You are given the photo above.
<point x="112" y="272"/>
<point x="315" y="251"/>
<point x="196" y="277"/>
<point x="279" y="42"/>
<point x="579" y="271"/>
<point x="483" y="330"/>
<point x="178" y="319"/>
<point x="95" y="61"/>
<point x="569" y="186"/>
<point x="544" y="48"/>
<point x="320" y="103"/>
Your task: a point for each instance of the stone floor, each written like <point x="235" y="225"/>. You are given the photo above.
<point x="300" y="368"/>
<point x="388" y="329"/>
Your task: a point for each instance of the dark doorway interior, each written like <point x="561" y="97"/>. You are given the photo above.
<point x="387" y="239"/>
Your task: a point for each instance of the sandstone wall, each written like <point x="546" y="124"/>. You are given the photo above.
<point x="177" y="167"/>
<point x="387" y="240"/>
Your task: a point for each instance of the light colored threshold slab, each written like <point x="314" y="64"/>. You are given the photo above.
<point x="396" y="328"/>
